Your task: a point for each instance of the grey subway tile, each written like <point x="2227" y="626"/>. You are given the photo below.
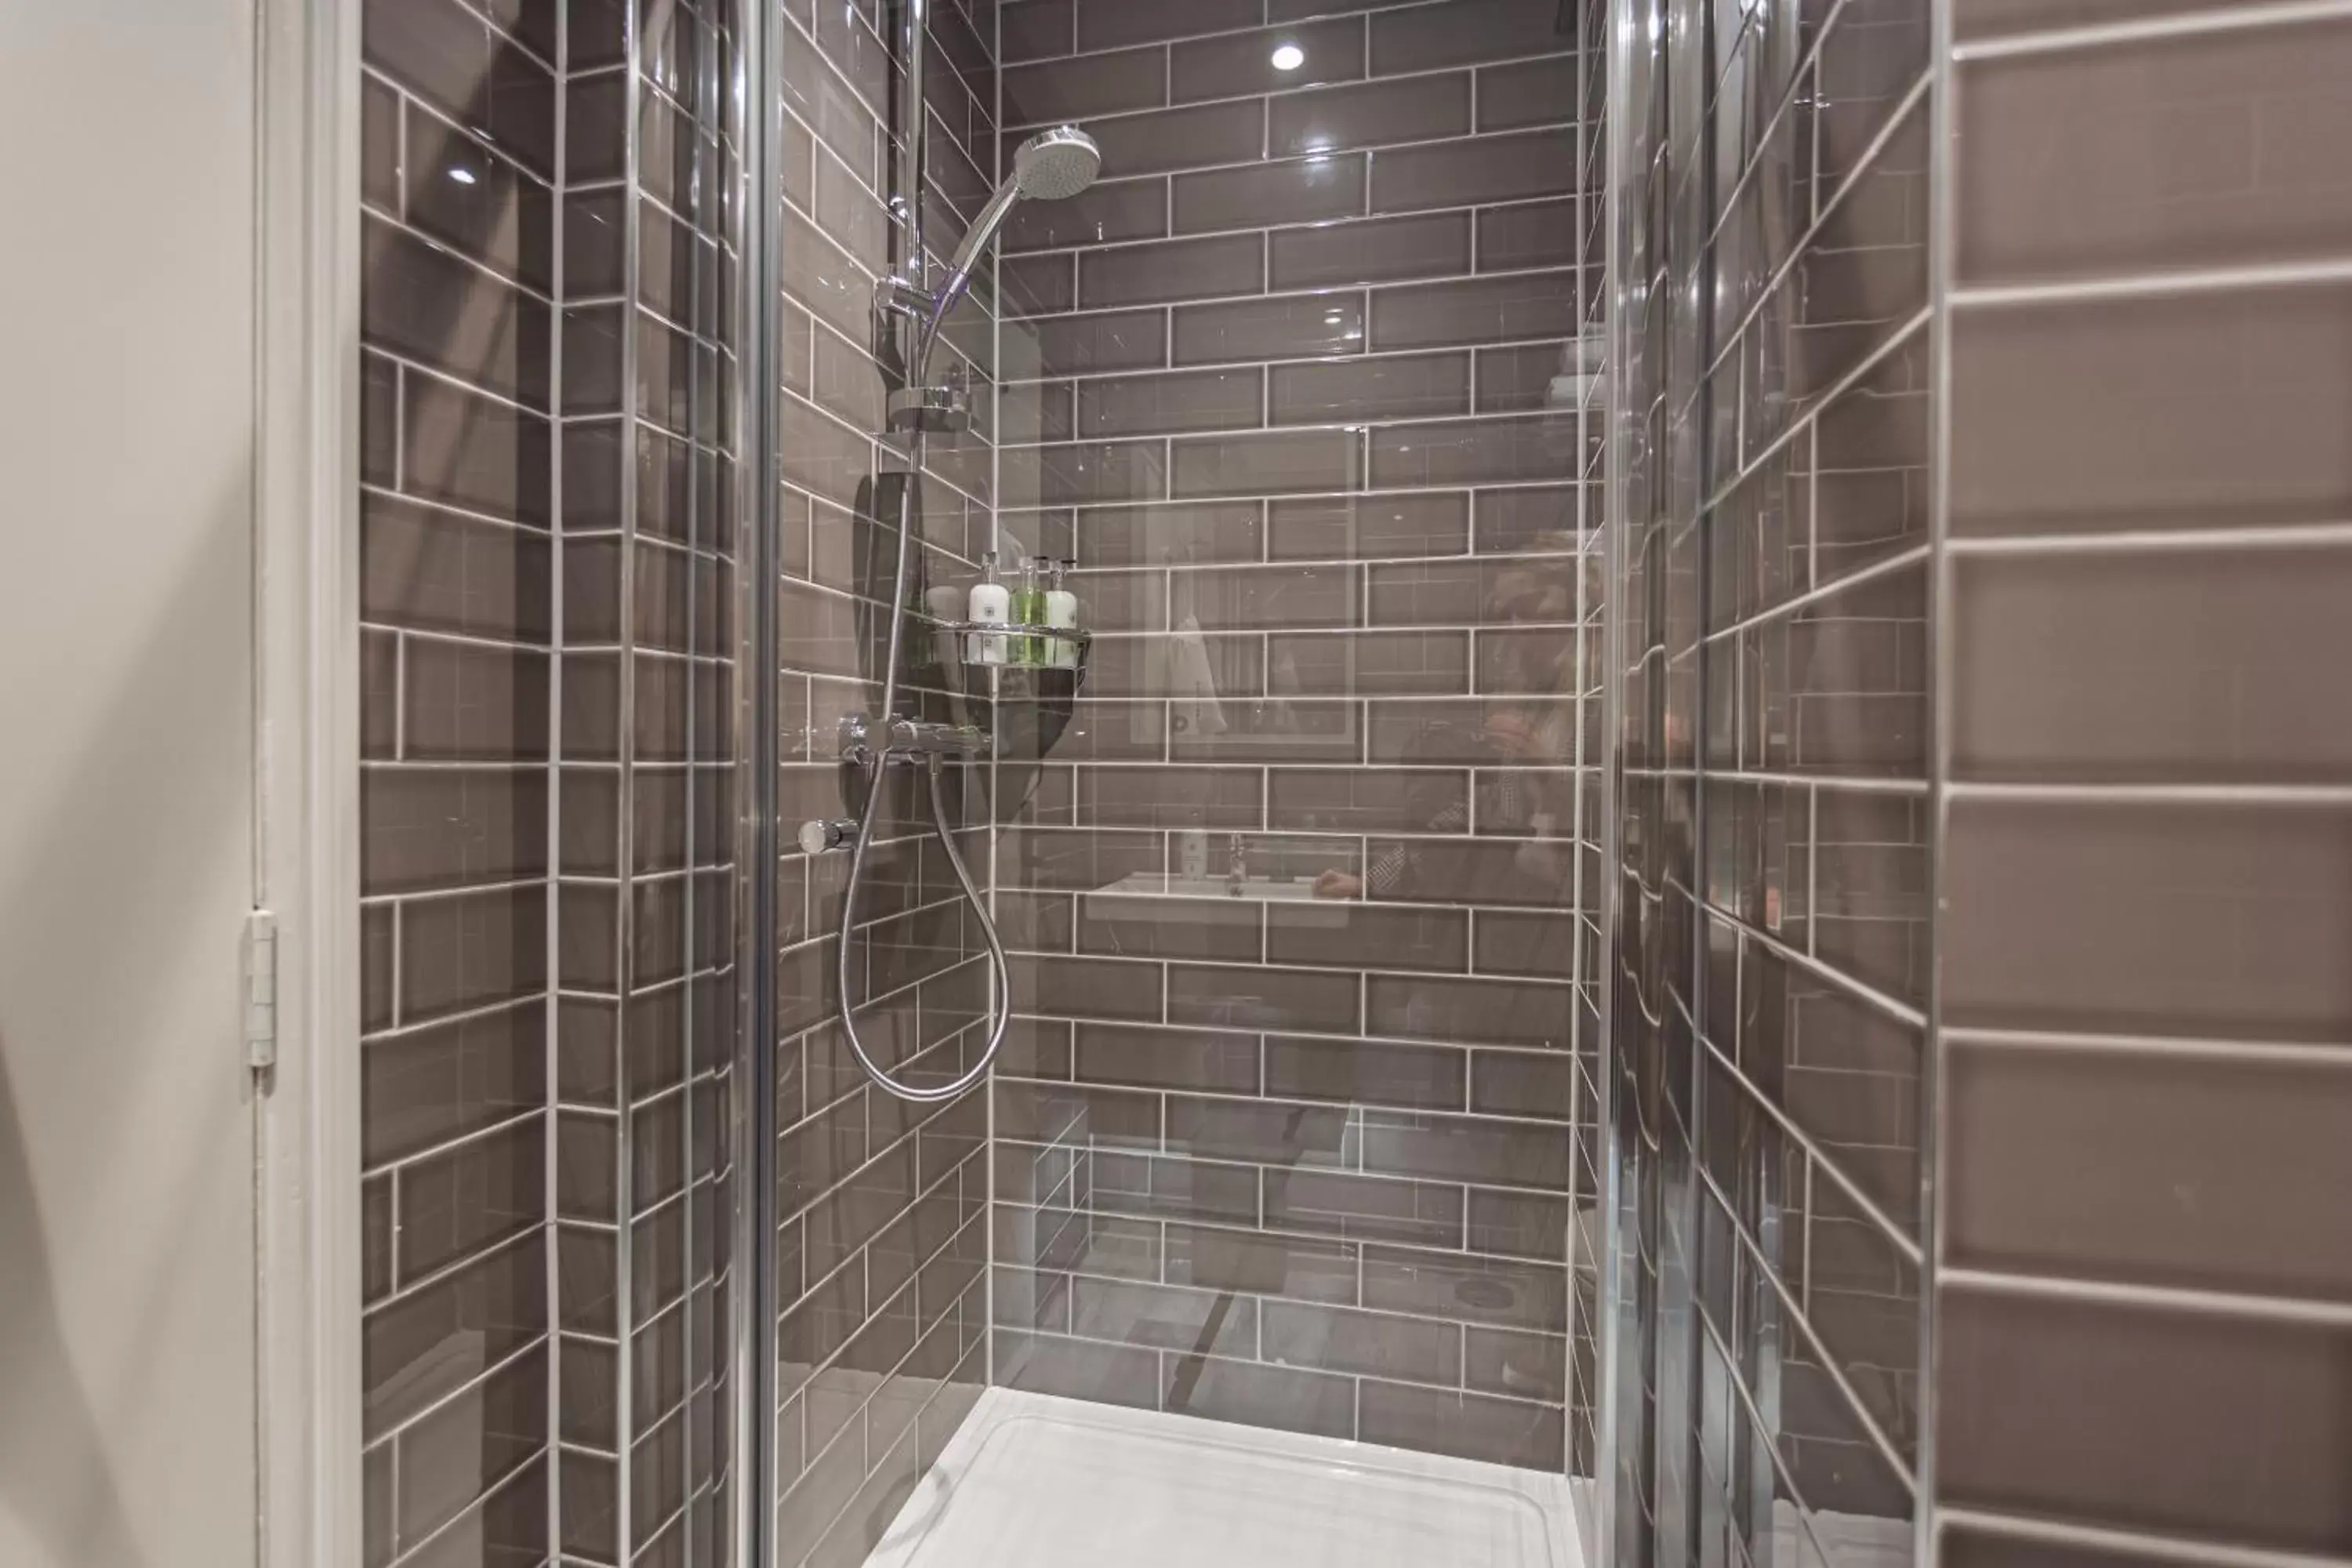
<point x="497" y="215"/>
<point x="2010" y="18"/>
<point x="2102" y="1413"/>
<point x="1199" y="136"/>
<point x="1483" y="310"/>
<point x="1273" y="463"/>
<point x="1362" y="800"/>
<point x="1037" y="29"/>
<point x="1171" y="272"/>
<point x="1368" y="527"/>
<point x="2200" y="666"/>
<point x="1103" y="214"/>
<point x="1371" y="664"/>
<point x="452" y="57"/>
<point x="1335" y="1204"/>
<point x="2127" y="918"/>
<point x="1364" y="1072"/>
<point x="1239" y="64"/>
<point x="1037" y="285"/>
<point x="1262" y="997"/>
<point x="1167" y="1059"/>
<point x="2059" y="179"/>
<point x="1372" y="114"/>
<point x="1084" y="344"/>
<point x="1528" y="92"/>
<point x="1085" y="473"/>
<point x="1474" y="1010"/>
<point x="473" y="451"/>
<point x="1337" y="1338"/>
<point x="1519" y="166"/>
<point x="441" y="571"/>
<point x="1258" y="195"/>
<point x="1153" y="535"/>
<point x="1431" y="1284"/>
<point x="1115" y="23"/>
<point x="1369" y="250"/>
<point x="1046" y="92"/>
<point x="2062" y="417"/>
<point x="1171" y="403"/>
<point x="1169" y="797"/>
<point x="422" y="829"/>
<point x="1527" y="235"/>
<point x="1474" y="451"/>
<point x="2073" y="1161"/>
<point x="1394" y="387"/>
<point x="1466" y="32"/>
<point x="1293" y="326"/>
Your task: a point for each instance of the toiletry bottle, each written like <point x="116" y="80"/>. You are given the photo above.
<point x="989" y="606"/>
<point x="1029" y="610"/>
<point x="944" y="603"/>
<point x="1062" y="610"/>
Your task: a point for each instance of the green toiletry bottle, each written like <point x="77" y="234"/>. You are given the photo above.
<point x="1029" y="610"/>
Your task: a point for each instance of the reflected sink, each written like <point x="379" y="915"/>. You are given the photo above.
<point x="1163" y="885"/>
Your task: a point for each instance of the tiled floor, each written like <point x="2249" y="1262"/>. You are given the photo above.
<point x="1044" y="1482"/>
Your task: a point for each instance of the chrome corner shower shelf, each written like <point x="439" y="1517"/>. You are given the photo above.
<point x="964" y="631"/>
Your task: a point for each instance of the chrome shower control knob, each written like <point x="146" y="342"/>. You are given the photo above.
<point x="817" y="835"/>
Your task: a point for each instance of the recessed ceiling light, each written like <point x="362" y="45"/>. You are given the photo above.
<point x="1288" y="57"/>
<point x="462" y="175"/>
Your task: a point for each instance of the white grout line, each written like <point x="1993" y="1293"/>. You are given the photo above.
<point x="2300" y="1311"/>
<point x="2314" y="797"/>
<point x="2238" y="18"/>
<point x="2137" y="541"/>
<point x="2331" y="1056"/>
<point x="2334" y="271"/>
<point x="2127" y="1545"/>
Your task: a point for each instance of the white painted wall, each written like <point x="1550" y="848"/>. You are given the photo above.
<point x="126" y="840"/>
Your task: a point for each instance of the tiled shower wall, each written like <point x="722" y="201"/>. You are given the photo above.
<point x="2145" y="1282"/>
<point x="880" y="1204"/>
<point x="458" y="603"/>
<point x="1284" y="1132"/>
<point x="1983" y="913"/>
<point x="1773" y="940"/>
<point x="547" y="590"/>
<point x="645" y="898"/>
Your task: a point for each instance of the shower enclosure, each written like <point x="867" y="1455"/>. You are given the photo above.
<point x="1478" y="1011"/>
<point x="1287" y="1145"/>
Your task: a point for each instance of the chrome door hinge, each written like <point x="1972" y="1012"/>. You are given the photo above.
<point x="260" y="990"/>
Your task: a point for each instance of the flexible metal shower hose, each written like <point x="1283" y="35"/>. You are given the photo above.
<point x="1000" y="1009"/>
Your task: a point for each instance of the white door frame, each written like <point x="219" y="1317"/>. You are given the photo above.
<point x="306" y="811"/>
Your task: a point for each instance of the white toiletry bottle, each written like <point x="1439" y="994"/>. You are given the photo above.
<point x="1062" y="610"/>
<point x="944" y="603"/>
<point x="989" y="606"/>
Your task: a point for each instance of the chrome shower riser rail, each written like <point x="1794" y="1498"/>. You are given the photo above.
<point x="1051" y="164"/>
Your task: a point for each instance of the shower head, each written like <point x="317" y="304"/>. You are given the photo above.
<point x="1051" y="166"/>
<point x="1056" y="164"/>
